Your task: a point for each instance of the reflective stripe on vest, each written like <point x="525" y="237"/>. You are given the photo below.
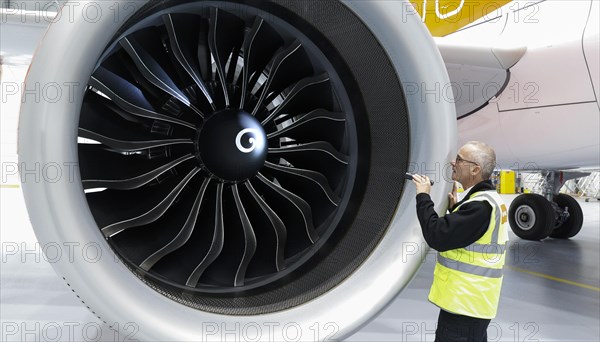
<point x="497" y="214"/>
<point x="493" y="247"/>
<point x="468" y="268"/>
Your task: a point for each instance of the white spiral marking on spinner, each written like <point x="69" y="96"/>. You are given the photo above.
<point x="253" y="140"/>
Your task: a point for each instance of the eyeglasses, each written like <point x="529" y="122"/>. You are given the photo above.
<point x="459" y="159"/>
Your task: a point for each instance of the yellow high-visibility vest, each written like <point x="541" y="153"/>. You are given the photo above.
<point x="467" y="281"/>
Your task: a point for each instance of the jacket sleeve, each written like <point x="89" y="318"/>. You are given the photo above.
<point x="454" y="230"/>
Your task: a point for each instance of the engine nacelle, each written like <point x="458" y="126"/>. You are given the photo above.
<point x="322" y="225"/>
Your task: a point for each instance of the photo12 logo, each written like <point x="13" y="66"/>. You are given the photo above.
<point x="68" y="331"/>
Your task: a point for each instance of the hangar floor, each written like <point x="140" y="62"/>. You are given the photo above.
<point x="551" y="288"/>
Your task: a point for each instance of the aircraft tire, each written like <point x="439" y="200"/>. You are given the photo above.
<point x="531" y="217"/>
<point x="573" y="224"/>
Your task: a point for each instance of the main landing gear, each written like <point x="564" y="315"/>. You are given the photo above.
<point x="535" y="217"/>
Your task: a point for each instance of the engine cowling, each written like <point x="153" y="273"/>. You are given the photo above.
<point x="238" y="164"/>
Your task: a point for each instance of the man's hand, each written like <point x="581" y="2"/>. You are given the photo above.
<point x="423" y="184"/>
<point x="452" y="196"/>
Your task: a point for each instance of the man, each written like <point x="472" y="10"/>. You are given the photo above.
<point x="471" y="244"/>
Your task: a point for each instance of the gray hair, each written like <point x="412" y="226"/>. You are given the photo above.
<point x="484" y="155"/>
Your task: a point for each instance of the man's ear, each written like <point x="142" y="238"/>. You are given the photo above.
<point x="475" y="170"/>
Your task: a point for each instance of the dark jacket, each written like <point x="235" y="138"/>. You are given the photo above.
<point x="458" y="229"/>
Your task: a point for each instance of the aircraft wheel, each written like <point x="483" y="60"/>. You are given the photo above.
<point x="531" y="217"/>
<point x="573" y="224"/>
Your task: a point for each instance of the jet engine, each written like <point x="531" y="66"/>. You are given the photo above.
<point x="236" y="163"/>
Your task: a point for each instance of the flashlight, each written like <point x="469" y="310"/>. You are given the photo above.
<point x="410" y="177"/>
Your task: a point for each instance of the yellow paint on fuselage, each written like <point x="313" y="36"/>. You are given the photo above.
<point x="443" y="17"/>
